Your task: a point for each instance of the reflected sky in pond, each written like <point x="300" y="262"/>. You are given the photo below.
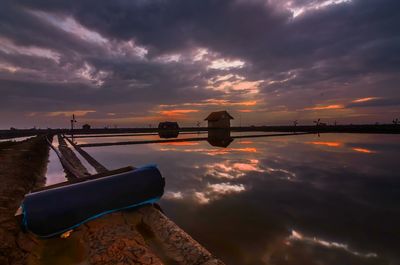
<point x="333" y="199"/>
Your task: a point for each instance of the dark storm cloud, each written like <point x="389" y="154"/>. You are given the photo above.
<point x="173" y="25"/>
<point x="337" y="49"/>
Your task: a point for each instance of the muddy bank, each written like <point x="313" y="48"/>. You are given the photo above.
<point x="138" y="236"/>
<point x="22" y="168"/>
<point x="142" y="236"/>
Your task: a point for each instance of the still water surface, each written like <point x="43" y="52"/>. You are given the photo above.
<point x="333" y="199"/>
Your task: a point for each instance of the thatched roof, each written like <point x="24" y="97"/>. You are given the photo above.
<point x="218" y="115"/>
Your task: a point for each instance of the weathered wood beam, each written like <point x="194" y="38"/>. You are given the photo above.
<point x="74" y="164"/>
<point x="93" y="162"/>
<point x="116" y="239"/>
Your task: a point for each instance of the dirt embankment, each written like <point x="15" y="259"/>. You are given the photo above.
<point x="22" y="168"/>
<point x="141" y="236"/>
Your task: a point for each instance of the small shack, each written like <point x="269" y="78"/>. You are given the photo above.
<point x="219" y="120"/>
<point x="86" y="127"/>
<point x="168" y="125"/>
<point x="168" y="129"/>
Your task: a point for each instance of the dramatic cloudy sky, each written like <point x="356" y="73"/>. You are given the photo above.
<point x="137" y="62"/>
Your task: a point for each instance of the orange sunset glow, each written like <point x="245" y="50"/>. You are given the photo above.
<point x="363" y="150"/>
<point x="194" y="132"/>
<point x="329" y="144"/>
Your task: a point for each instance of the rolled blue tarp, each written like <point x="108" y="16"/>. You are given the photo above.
<point x="52" y="212"/>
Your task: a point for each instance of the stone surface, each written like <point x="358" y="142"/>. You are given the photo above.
<point x="113" y="240"/>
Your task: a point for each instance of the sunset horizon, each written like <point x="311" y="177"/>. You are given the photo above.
<point x="199" y="132"/>
<point x="131" y="64"/>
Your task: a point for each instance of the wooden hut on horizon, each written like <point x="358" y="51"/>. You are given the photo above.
<point x="219" y="120"/>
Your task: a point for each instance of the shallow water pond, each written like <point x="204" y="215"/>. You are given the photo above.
<point x="305" y="199"/>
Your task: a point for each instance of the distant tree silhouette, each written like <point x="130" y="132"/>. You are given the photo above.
<point x="295" y="122"/>
<point x="317" y="122"/>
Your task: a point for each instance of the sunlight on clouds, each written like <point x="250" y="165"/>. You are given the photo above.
<point x="200" y="54"/>
<point x="113" y="48"/>
<point x="9" y="68"/>
<point x="9" y="47"/>
<point x="78" y="113"/>
<point x="169" y="58"/>
<point x="205" y="103"/>
<point x="125" y="121"/>
<point x="89" y="73"/>
<point x="126" y="49"/>
<point x="226" y="64"/>
<point x="223" y="102"/>
<point x="313" y="5"/>
<point x="360" y="100"/>
<point x="328" y="107"/>
<point x="291" y="77"/>
<point x="70" y="25"/>
<point x="177" y="112"/>
<point x="230" y="83"/>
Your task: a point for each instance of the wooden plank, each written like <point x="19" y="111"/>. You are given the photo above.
<point x="93" y="162"/>
<point x="115" y="238"/>
<point x="69" y="169"/>
<point x="74" y="164"/>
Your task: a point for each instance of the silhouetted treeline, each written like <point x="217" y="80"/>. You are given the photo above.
<point x="367" y="128"/>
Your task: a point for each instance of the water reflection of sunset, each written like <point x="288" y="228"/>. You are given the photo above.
<point x="297" y="236"/>
<point x="245" y="142"/>
<point x="180" y="143"/>
<point x="212" y="152"/>
<point x="262" y="186"/>
<point x="229" y="169"/>
<point x="340" y="145"/>
<point x="216" y="191"/>
<point x="363" y="150"/>
<point x="330" y="144"/>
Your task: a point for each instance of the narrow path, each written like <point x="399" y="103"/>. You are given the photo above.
<point x="93" y="162"/>
<point x="73" y="166"/>
<point x="144" y="236"/>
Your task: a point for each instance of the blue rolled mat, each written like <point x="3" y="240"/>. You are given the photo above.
<point x="52" y="212"/>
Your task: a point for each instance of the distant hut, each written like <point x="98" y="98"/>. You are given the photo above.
<point x="219" y="120"/>
<point x="168" y="125"/>
<point x="86" y="127"/>
<point x="168" y="129"/>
